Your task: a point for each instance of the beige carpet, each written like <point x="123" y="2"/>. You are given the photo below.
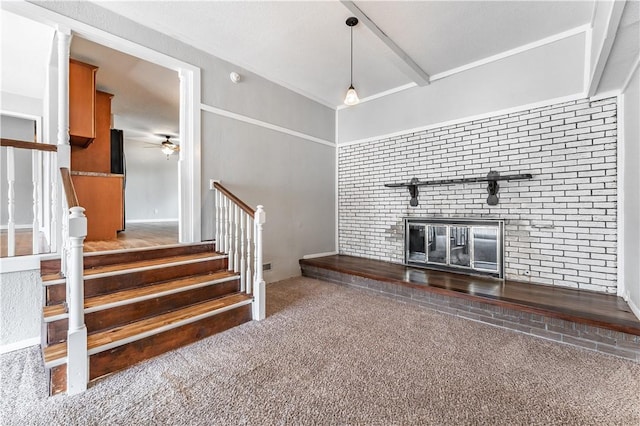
<point x="332" y="355"/>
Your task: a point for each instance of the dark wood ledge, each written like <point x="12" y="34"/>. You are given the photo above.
<point x="28" y="145"/>
<point x="579" y="306"/>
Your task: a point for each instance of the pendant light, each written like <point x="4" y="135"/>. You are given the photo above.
<point x="352" y="96"/>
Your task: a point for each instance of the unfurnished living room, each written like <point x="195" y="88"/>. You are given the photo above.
<point x="324" y="212"/>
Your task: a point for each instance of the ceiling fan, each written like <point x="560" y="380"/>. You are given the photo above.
<point x="168" y="148"/>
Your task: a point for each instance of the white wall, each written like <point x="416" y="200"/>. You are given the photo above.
<point x="551" y="71"/>
<point x="20" y="308"/>
<point x="631" y="191"/>
<point x="151" y="191"/>
<point x="289" y="177"/>
<point x="259" y="99"/>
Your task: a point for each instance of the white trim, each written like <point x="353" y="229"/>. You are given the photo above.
<point x="316" y="255"/>
<point x="518" y="108"/>
<point x="190" y="167"/>
<point x="634" y="308"/>
<point x="152" y="332"/>
<point x="381" y="94"/>
<point x="605" y="95"/>
<point x="634" y="67"/>
<point x="244" y="118"/>
<point x="174" y="219"/>
<point x="620" y="241"/>
<point x="131" y="300"/>
<point x="588" y="45"/>
<point x="520" y="49"/>
<point x="10" y="347"/>
<point x="615" y="15"/>
<point x="336" y="189"/>
<point x="138" y="269"/>
<point x="19" y="264"/>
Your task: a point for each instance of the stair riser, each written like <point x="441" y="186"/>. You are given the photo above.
<point x="52" y="266"/>
<point x="127" y="355"/>
<point x="121" y="315"/>
<point x="97" y="286"/>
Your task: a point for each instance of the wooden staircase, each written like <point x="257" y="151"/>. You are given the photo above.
<point x="141" y="303"/>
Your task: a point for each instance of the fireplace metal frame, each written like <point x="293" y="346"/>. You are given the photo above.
<point x="471" y="223"/>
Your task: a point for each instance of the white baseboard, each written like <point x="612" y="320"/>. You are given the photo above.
<point x="19" y="345"/>
<point x="151" y="220"/>
<point x="20" y="263"/>
<point x="634" y="308"/>
<point x="24" y="226"/>
<point x="314" y="255"/>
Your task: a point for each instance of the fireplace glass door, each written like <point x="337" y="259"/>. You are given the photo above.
<point x="469" y="246"/>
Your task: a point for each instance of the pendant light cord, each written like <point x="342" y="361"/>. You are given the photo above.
<point x="351" y="56"/>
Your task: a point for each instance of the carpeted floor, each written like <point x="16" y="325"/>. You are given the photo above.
<point x="333" y="355"/>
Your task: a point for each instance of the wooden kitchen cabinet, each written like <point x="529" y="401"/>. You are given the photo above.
<point x="97" y="156"/>
<point x="82" y="103"/>
<point x="102" y="198"/>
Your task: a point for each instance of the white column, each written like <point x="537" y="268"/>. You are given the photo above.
<point x="259" y="287"/>
<point x="248" y="276"/>
<point x="77" y="362"/>
<point x="64" y="43"/>
<point x="11" y="202"/>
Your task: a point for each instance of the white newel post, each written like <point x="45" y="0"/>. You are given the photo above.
<point x="259" y="288"/>
<point x="77" y="363"/>
<point x="248" y="276"/>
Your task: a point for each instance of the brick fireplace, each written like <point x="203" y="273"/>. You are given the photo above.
<point x="559" y="227"/>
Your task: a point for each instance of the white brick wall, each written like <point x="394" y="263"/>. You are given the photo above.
<point x="560" y="226"/>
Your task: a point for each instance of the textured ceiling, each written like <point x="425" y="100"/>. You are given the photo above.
<point x="305" y="45"/>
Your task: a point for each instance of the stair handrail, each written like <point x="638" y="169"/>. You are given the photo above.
<point x="72" y="260"/>
<point x="234" y="221"/>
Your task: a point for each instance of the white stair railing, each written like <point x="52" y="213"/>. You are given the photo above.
<point x="235" y="221"/>
<point x="38" y="150"/>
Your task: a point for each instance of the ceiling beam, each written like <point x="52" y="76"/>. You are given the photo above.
<point x="613" y="22"/>
<point x="403" y="61"/>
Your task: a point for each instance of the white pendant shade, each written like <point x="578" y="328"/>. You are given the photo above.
<point x="352" y="97"/>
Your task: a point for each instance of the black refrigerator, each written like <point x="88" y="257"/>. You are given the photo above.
<point x="118" y="164"/>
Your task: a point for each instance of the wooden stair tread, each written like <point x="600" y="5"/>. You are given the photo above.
<point x="137" y="264"/>
<point x="58" y="351"/>
<point x="92" y="302"/>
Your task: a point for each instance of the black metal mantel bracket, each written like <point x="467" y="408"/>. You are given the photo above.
<point x="492" y="179"/>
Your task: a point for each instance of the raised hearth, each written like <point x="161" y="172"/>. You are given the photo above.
<point x="595" y="321"/>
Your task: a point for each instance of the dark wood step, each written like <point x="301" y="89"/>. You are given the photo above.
<point x="578" y="306"/>
<point x="108" y="356"/>
<point x="121" y="308"/>
<point x="114" y="281"/>
<point x="93" y="260"/>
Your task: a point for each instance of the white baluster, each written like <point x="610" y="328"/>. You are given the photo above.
<point x="230" y="248"/>
<point x="11" y="205"/>
<point x="225" y="224"/>
<point x="216" y="199"/>
<point x="77" y="367"/>
<point x="259" y="288"/>
<point x="36" y="164"/>
<point x="243" y="264"/>
<point x="236" y="254"/>
<point x="64" y="247"/>
<point x="248" y="276"/>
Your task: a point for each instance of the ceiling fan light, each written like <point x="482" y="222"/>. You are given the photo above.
<point x="352" y="97"/>
<point x="167" y="150"/>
